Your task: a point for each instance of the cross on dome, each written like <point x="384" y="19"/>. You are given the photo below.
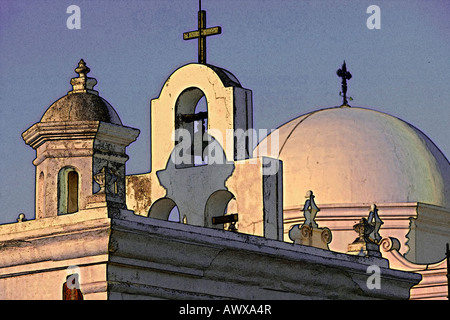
<point x="345" y="75"/>
<point x="202" y="33"/>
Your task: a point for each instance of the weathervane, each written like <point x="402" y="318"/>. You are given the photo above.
<point x="345" y="75"/>
<point x="201" y="33"/>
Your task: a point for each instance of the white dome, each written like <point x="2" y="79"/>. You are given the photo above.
<point x="350" y="155"/>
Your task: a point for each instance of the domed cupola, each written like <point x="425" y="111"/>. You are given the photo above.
<point x="357" y="155"/>
<point x="82" y="103"/>
<point x="80" y="147"/>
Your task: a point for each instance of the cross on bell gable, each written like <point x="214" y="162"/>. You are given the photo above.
<point x="201" y="34"/>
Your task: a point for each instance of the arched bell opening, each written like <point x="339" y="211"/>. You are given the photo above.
<point x="220" y="203"/>
<point x="165" y="209"/>
<point x="191" y="125"/>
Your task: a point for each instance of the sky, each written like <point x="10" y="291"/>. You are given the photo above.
<point x="287" y="52"/>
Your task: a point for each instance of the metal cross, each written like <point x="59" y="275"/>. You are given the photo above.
<point x="345" y="75"/>
<point x="201" y="34"/>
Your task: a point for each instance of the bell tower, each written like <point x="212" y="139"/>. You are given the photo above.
<point x="80" y="145"/>
<point x="203" y="171"/>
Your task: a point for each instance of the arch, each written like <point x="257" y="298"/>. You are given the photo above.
<point x="216" y="205"/>
<point x="211" y="75"/>
<point x="229" y="107"/>
<point x="187" y="101"/>
<point x="162" y="209"/>
<point x="191" y="115"/>
<point x="68" y="190"/>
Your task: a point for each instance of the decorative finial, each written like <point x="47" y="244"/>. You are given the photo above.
<point x="310" y="210"/>
<point x="369" y="240"/>
<point x="345" y="75"/>
<point x="376" y="222"/>
<point x="82" y="69"/>
<point x="202" y="33"/>
<point x="309" y="233"/>
<point x="83" y="84"/>
<point x="363" y="229"/>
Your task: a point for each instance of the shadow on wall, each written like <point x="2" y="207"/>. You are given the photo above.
<point x="198" y="192"/>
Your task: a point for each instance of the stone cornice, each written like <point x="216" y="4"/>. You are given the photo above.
<point x="116" y="134"/>
<point x="41" y="132"/>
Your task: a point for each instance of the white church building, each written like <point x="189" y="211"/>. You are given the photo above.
<point x="216" y="218"/>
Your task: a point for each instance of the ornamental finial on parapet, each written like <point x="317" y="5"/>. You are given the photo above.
<point x="309" y="233"/>
<point x="310" y="210"/>
<point x="375" y="220"/>
<point x="368" y="241"/>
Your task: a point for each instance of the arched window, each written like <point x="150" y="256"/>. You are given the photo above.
<point x="68" y="190"/>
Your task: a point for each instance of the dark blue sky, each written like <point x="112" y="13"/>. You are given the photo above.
<point x="287" y="52"/>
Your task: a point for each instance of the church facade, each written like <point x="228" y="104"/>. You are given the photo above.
<point x="216" y="218"/>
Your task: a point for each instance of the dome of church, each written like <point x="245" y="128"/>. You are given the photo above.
<point x="81" y="107"/>
<point x="351" y="155"/>
<point x="82" y="103"/>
